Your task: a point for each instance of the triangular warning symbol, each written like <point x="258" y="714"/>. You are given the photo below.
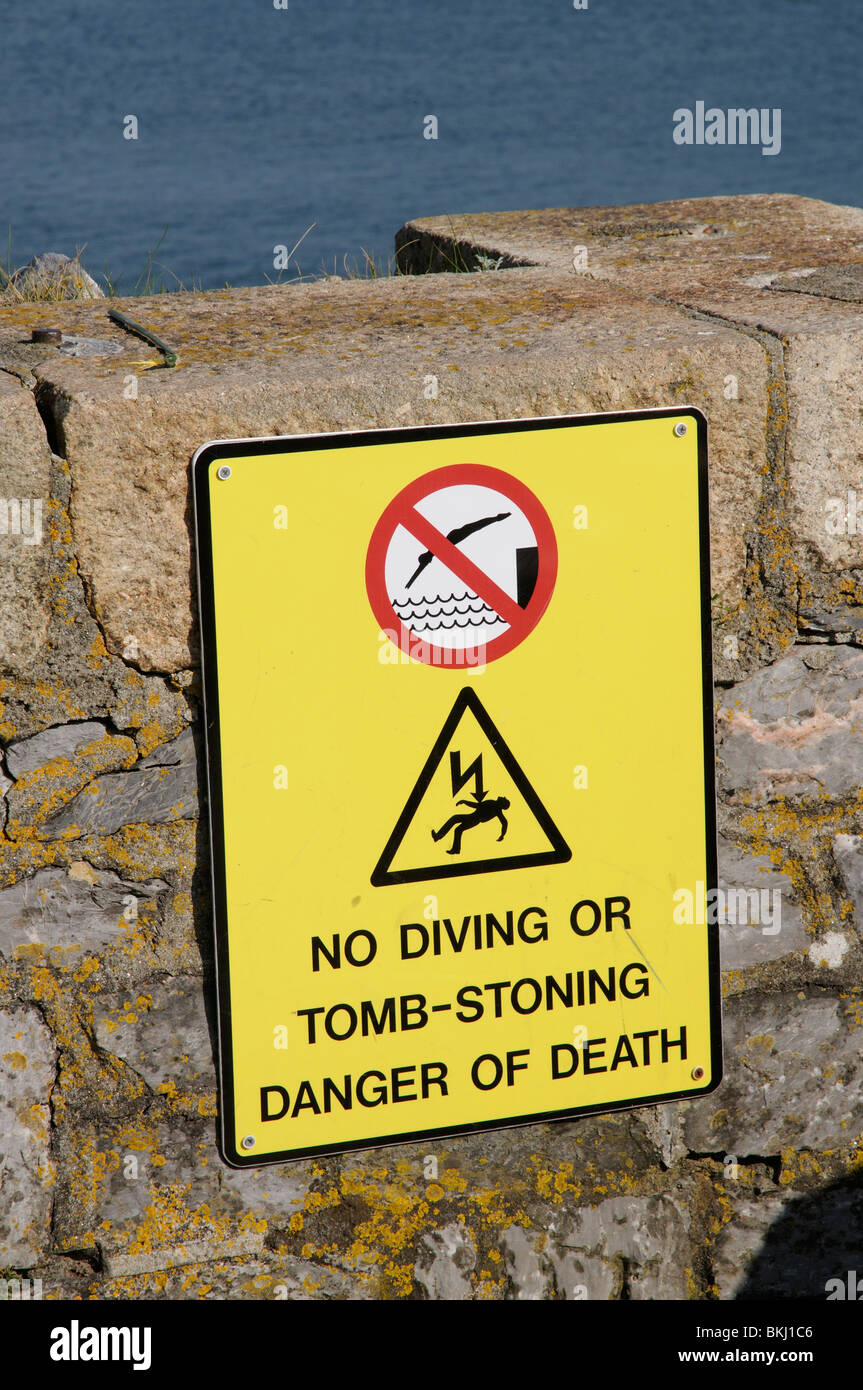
<point x="472" y="811"/>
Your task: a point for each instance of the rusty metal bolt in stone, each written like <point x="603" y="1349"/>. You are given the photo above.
<point x="53" y="336"/>
<point x="697" y="1073"/>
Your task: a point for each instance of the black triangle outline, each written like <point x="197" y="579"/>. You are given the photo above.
<point x="559" y="854"/>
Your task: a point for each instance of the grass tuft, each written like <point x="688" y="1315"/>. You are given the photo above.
<point x="156" y="278"/>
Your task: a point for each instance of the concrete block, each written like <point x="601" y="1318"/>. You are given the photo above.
<point x="264" y="361"/>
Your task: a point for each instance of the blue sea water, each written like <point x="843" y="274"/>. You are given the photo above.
<point x="256" y="123"/>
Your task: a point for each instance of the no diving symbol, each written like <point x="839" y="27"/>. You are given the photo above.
<point x="461" y="566"/>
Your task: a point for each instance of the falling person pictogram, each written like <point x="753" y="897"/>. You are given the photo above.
<point x="480" y="813"/>
<point x="481" y="810"/>
<point x="468" y="745"/>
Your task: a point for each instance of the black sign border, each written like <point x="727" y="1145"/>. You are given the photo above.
<point x="222" y="451"/>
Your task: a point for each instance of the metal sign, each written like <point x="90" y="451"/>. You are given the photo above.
<point x="459" y="730"/>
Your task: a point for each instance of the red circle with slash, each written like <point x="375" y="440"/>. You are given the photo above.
<point x="505" y="560"/>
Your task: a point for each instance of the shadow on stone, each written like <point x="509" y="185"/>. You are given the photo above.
<point x="202" y="911"/>
<point x="818" y="1238"/>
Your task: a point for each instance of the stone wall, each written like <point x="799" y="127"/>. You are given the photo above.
<point x="110" y="1182"/>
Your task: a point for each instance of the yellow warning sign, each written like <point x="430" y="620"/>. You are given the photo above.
<point x="459" y="734"/>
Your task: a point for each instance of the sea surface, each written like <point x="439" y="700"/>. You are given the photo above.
<point x="261" y="127"/>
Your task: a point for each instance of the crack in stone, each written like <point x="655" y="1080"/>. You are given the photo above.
<point x="44" y="400"/>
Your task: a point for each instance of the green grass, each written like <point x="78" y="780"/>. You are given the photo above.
<point x="49" y="292"/>
<point x="366" y="269"/>
<point x="148" y="282"/>
<point x="156" y="278"/>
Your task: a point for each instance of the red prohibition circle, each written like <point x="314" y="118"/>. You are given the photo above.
<point x="402" y="512"/>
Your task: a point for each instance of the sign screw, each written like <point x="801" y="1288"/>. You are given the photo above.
<point x="53" y="336"/>
<point x="680" y="429"/>
<point x="248" y="1141"/>
<point x="697" y="1072"/>
<point x="224" y="473"/>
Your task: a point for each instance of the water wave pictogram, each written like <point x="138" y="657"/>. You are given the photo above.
<point x="435" y="598"/>
<point x="435" y="627"/>
<point x="430" y="612"/>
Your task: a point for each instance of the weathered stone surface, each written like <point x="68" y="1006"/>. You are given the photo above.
<point x="42" y="793"/>
<point x="822" y="617"/>
<point x="24" y="561"/>
<point x="64" y="741"/>
<point x="301" y="1280"/>
<point x="79" y="909"/>
<point x="594" y="1151"/>
<point x="21" y="1288"/>
<point x="832" y="282"/>
<point x="784" y="267"/>
<point x="741" y="1240"/>
<point x="663" y="1125"/>
<point x="695" y="244"/>
<point x="793" y="1077"/>
<point x="791" y="1246"/>
<point x="445" y="1260"/>
<point x="63" y="1277"/>
<point x="526" y="1271"/>
<point x="829" y="950"/>
<point x="190" y="1252"/>
<point x="275" y="1192"/>
<point x="759" y="921"/>
<point x="153" y="1185"/>
<point x="163" y="788"/>
<point x="848" y="858"/>
<point x="69" y="676"/>
<point x="626" y="1247"/>
<point x="53" y="276"/>
<point x="180" y="752"/>
<point x="5" y="784"/>
<point x="73" y="346"/>
<point x="824" y="374"/>
<point x="262" y="361"/>
<point x="27" y="1062"/>
<point x="266" y="1278"/>
<point x="163" y="1035"/>
<point x="794" y="729"/>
